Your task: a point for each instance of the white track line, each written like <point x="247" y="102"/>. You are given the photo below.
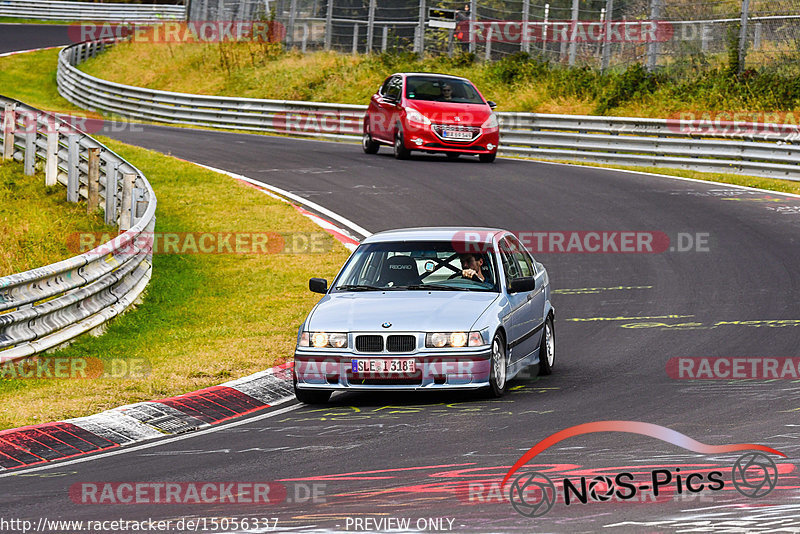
<point x="313" y="205"/>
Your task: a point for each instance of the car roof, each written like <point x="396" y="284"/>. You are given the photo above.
<point x="431" y="75"/>
<point x="430" y="233"/>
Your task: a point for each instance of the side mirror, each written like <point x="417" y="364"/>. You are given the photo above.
<point x="491" y="104"/>
<point x="318" y="285"/>
<point x="521" y="285"/>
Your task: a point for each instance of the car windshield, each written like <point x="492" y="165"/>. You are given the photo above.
<point x="417" y="265"/>
<point x="442" y="90"/>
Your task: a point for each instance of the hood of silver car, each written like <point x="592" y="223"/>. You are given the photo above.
<point x="407" y="311"/>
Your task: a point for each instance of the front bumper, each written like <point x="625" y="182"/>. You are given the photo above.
<point x="464" y="369"/>
<point x="427" y="139"/>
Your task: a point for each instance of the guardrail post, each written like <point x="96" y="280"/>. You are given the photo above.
<point x="51" y="164"/>
<point x="328" y="25"/>
<point x="126" y="205"/>
<point x="73" y="167"/>
<point x="385" y="38"/>
<point x="355" y="38"/>
<point x="9" y="126"/>
<point x="757" y="37"/>
<point x="488" y="50"/>
<point x="30" y="144"/>
<point x="111" y="192"/>
<point x="93" y="184"/>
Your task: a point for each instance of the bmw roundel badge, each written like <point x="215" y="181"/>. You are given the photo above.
<point x="386" y="324"/>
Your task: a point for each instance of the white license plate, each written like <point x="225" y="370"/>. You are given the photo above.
<point x="384" y="366"/>
<point x="457" y="134"/>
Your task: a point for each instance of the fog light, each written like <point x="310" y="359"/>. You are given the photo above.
<point x="490" y="146"/>
<point x="417" y="141"/>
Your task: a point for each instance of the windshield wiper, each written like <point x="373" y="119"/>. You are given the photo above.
<point x="359" y="287"/>
<point x="434" y="286"/>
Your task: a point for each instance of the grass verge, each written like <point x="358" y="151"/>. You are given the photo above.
<point x="206" y="318"/>
<point x="34" y="220"/>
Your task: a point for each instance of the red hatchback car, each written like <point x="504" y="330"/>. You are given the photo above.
<point x="431" y="113"/>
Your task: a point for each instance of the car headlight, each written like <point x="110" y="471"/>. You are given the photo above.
<point x="321" y="340"/>
<point x="491" y="122"/>
<point x="414" y="116"/>
<point x="453" y="339"/>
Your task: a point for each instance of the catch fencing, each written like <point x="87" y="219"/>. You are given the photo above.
<point x="45" y="307"/>
<point x="572" y="32"/>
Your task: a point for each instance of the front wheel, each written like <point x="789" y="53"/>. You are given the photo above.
<point x="400" y="150"/>
<point x="499" y="370"/>
<point x="547" y="349"/>
<point x="487" y="158"/>
<point x="311" y="396"/>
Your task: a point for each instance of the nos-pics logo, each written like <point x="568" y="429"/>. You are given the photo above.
<point x="533" y="494"/>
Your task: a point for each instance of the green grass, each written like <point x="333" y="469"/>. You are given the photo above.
<point x="206" y="318"/>
<point x="35" y="220"/>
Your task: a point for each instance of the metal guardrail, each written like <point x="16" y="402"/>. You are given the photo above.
<point x="61" y="10"/>
<point x="46" y="307"/>
<point x="766" y="150"/>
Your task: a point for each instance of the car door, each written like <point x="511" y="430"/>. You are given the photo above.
<point x="534" y="311"/>
<point x="518" y="321"/>
<point x="389" y="108"/>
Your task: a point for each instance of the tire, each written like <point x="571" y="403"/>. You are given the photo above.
<point x="452" y="155"/>
<point x="547" y="349"/>
<point x="498" y="373"/>
<point x="369" y="145"/>
<point x="487" y="158"/>
<point x="311" y="396"/>
<point x="400" y="150"/>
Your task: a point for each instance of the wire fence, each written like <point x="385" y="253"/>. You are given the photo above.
<point x="596" y="33"/>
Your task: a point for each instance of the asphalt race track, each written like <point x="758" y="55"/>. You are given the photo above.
<point x="29" y="36"/>
<point x="620" y="318"/>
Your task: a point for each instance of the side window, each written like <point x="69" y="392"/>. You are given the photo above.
<point x="521" y="257"/>
<point x="395" y="84"/>
<point x="522" y="262"/>
<point x="385" y="87"/>
<point x="510" y="265"/>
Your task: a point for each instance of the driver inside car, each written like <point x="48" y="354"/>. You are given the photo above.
<point x="472" y="267"/>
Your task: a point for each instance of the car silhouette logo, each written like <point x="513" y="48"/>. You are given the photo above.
<point x="386" y="325"/>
